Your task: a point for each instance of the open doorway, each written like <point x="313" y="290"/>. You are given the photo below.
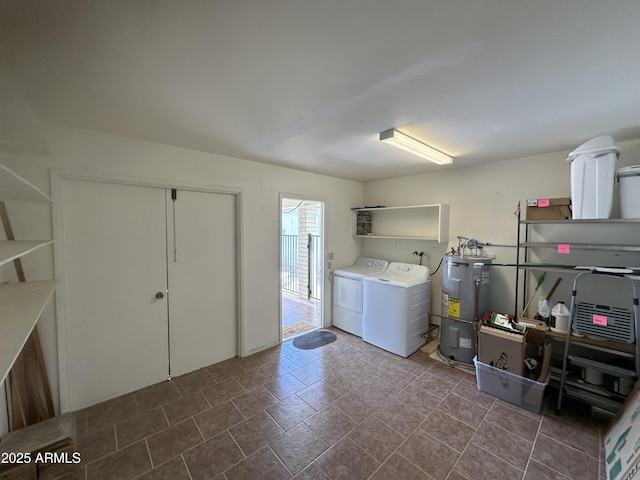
<point x="301" y="265"/>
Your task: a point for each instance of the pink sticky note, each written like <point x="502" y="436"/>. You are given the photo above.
<point x="600" y="320"/>
<point x="564" y="248"/>
<point x="543" y="202"/>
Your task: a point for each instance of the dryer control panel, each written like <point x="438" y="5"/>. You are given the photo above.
<point x="373" y="263"/>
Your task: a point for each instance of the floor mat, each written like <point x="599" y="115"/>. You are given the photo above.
<point x="296" y="329"/>
<point x="312" y="340"/>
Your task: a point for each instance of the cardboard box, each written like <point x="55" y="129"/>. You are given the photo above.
<point x="621" y="446"/>
<point x="549" y="209"/>
<point x="363" y="223"/>
<point x="502" y="349"/>
<point x="532" y="323"/>
<point x="536" y="332"/>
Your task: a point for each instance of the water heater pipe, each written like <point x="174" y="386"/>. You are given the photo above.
<point x="477" y="300"/>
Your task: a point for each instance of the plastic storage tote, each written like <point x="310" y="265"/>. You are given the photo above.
<point x="629" y="178"/>
<point x="510" y="387"/>
<point x="593" y="178"/>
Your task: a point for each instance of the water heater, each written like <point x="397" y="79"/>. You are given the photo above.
<point x="465" y="298"/>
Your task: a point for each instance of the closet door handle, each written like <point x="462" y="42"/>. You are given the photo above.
<point x="159" y="295"/>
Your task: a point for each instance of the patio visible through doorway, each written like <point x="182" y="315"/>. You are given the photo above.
<point x="302" y="266"/>
<point x="298" y="315"/>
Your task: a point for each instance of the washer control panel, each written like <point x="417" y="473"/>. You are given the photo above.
<point x="408" y="270"/>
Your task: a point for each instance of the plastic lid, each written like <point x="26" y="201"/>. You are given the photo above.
<point x="631" y="171"/>
<point x="595" y="147"/>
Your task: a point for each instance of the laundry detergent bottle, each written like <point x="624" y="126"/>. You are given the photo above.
<point x="559" y="318"/>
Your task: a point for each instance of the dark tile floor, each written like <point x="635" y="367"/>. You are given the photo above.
<point x="346" y="410"/>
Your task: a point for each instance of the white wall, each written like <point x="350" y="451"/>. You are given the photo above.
<point x="261" y="187"/>
<point x="483" y="200"/>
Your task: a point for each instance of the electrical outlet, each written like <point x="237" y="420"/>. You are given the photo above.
<point x="330" y="256"/>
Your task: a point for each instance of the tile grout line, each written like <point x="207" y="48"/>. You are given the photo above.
<point x="186" y="467"/>
<point x="572" y="448"/>
<point x="407" y="438"/>
<point x="241" y="451"/>
<point x="146" y="444"/>
<point x="601" y="451"/>
<point x="469" y="442"/>
<point x="535" y="440"/>
<point x="268" y="445"/>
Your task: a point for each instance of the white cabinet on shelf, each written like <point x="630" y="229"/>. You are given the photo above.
<point x="20" y="303"/>
<point x="414" y="222"/>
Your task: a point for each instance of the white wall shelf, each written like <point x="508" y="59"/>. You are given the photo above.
<point x="15" y="188"/>
<point x="20" y="307"/>
<point x="21" y="303"/>
<point x="13" y="249"/>
<point x="412" y="222"/>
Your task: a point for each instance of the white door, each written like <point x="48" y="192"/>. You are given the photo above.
<point x="114" y="247"/>
<point x="124" y="332"/>
<point x="202" y="279"/>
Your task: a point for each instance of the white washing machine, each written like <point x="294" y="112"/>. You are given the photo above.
<point x="396" y="308"/>
<point x="347" y="293"/>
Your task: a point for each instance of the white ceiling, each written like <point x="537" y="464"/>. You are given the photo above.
<point x="309" y="84"/>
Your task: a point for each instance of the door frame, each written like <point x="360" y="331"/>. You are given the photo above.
<point x="310" y="198"/>
<point x="58" y="177"/>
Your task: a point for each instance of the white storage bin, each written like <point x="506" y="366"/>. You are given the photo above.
<point x="629" y="178"/>
<point x="510" y="387"/>
<point x="593" y="178"/>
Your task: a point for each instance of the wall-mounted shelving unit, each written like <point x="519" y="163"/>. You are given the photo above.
<point x="12" y="249"/>
<point x="20" y="307"/>
<point x="412" y="222"/>
<point x="15" y="188"/>
<point x="21" y="304"/>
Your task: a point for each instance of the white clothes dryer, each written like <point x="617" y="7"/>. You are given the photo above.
<point x="396" y="308"/>
<point x="347" y="293"/>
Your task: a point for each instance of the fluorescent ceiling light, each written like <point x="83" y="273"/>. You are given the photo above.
<point x="416" y="147"/>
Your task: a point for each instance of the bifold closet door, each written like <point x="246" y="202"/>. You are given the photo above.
<point x="202" y="279"/>
<point x="115" y="280"/>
